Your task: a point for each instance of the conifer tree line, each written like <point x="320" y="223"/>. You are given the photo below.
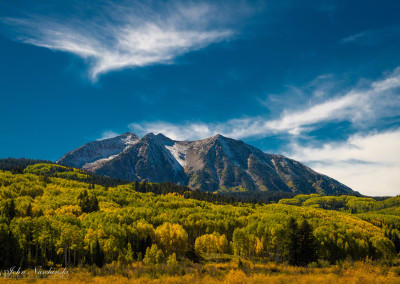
<point x="48" y="169"/>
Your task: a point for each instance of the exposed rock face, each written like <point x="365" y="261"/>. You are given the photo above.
<point x="215" y="163"/>
<point x="97" y="151"/>
<point x="148" y="159"/>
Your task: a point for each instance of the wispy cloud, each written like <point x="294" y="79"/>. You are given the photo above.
<point x="360" y="105"/>
<point x="373" y="36"/>
<point x="108" y="134"/>
<point x="353" y="38"/>
<point x="367" y="163"/>
<point x="126" y="36"/>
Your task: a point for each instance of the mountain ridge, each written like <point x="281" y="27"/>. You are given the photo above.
<point x="210" y="164"/>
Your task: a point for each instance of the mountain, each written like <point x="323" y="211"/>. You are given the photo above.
<point x="95" y="153"/>
<point x="211" y="164"/>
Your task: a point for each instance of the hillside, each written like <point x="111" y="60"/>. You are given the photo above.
<point x="50" y="169"/>
<point x="213" y="164"/>
<point x="62" y="221"/>
<point x="351" y="204"/>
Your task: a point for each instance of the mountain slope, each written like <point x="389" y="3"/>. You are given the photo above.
<point x="148" y="159"/>
<point x="92" y="155"/>
<point x="211" y="164"/>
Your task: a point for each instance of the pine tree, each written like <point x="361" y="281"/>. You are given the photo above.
<point x="88" y="203"/>
<point x="93" y="204"/>
<point x="396" y="241"/>
<point x="98" y="257"/>
<point x="136" y="186"/>
<point x="29" y="210"/>
<point x="9" y="210"/>
<point x="302" y="245"/>
<point x="307" y="244"/>
<point x="293" y="242"/>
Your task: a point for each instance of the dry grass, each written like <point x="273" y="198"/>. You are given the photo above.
<point x="359" y="272"/>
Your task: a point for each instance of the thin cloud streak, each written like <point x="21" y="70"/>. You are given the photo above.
<point x="358" y="106"/>
<point x="108" y="134"/>
<point x="373" y="36"/>
<point x="136" y="36"/>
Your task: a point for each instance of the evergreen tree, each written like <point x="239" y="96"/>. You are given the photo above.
<point x="293" y="242"/>
<point x="8" y="247"/>
<point x="302" y="246"/>
<point x="396" y="241"/>
<point x="98" y="257"/>
<point x="93" y="204"/>
<point x="136" y="186"/>
<point x="9" y="210"/>
<point x="307" y="244"/>
<point x="29" y="210"/>
<point x="88" y="203"/>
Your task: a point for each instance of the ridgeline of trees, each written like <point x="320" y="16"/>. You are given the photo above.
<point x="47" y="220"/>
<point x="18" y="165"/>
<point x="50" y="169"/>
<point x="54" y="170"/>
<point x="345" y="203"/>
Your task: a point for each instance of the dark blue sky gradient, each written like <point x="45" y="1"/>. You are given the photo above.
<point x="49" y="106"/>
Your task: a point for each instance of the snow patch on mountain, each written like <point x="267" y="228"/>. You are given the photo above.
<point x="178" y="151"/>
<point x="97" y="164"/>
<point x="130" y="139"/>
<point x="227" y="150"/>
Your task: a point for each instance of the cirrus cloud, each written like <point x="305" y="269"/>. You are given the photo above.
<point x="367" y="160"/>
<point x="361" y="106"/>
<point x="126" y="36"/>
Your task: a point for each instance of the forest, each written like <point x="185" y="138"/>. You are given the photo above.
<point x="57" y="216"/>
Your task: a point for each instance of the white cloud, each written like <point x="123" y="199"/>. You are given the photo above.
<point x="126" y="36"/>
<point x="359" y="106"/>
<point x="390" y="82"/>
<point x="337" y="108"/>
<point x="367" y="163"/>
<point x="373" y="36"/>
<point x="190" y="131"/>
<point x="108" y="134"/>
<point x="353" y="38"/>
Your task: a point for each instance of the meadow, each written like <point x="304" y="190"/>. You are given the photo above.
<point x="346" y="272"/>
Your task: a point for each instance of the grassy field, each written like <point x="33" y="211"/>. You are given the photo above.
<point x="346" y="272"/>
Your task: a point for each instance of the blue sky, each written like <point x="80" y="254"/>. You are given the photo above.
<point x="318" y="81"/>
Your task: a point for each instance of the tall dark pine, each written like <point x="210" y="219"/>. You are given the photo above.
<point x="88" y="203"/>
<point x="307" y="244"/>
<point x="98" y="257"/>
<point x="10" y="251"/>
<point x="396" y="241"/>
<point x="302" y="244"/>
<point x="29" y="210"/>
<point x="9" y="210"/>
<point x="293" y="241"/>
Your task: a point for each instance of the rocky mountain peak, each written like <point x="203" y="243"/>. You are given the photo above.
<point x="210" y="164"/>
<point x="149" y="136"/>
<point x="129" y="135"/>
<point x="164" y="139"/>
<point x="218" y="136"/>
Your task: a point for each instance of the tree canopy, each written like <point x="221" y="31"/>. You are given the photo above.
<point x="68" y="222"/>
